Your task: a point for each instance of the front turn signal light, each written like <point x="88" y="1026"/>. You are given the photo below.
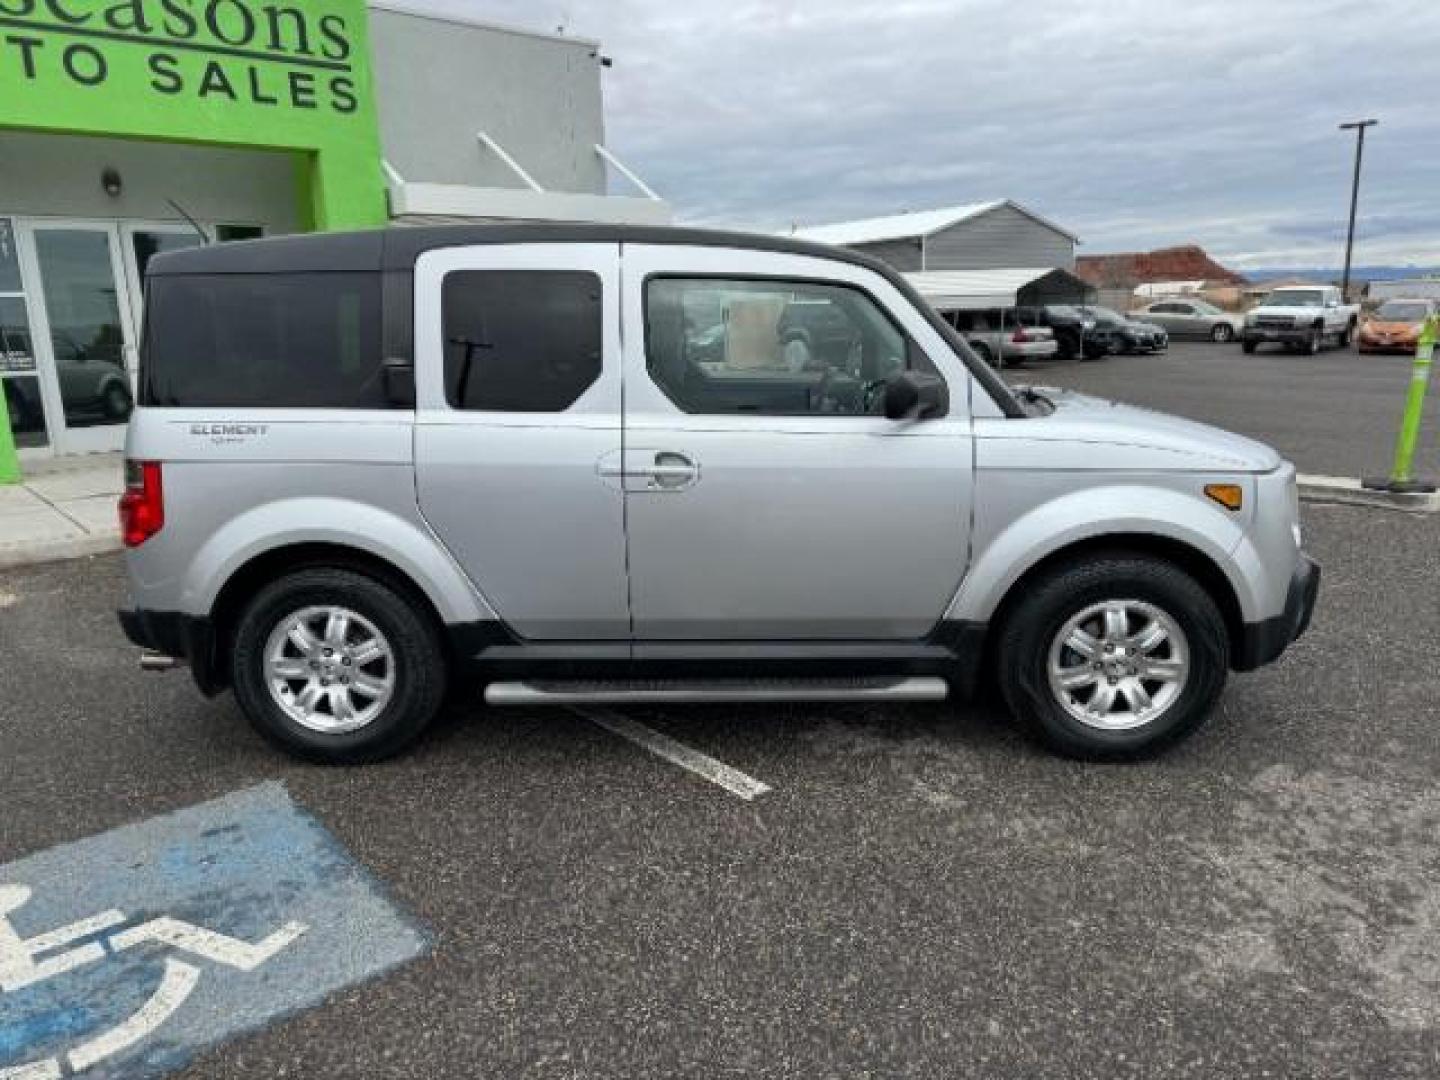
<point x="1230" y="496"/>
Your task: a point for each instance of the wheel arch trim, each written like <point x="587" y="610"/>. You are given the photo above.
<point x="405" y="546"/>
<point x="1069" y="525"/>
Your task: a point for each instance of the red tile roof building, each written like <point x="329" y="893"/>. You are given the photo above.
<point x="1129" y="269"/>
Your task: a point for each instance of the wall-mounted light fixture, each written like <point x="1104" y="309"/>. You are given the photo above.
<point x="111" y="182"/>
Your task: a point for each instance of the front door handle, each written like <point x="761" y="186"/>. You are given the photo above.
<point x="648" y="470"/>
<point x="671" y="471"/>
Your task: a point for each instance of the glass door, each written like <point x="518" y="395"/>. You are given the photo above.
<point x="140" y="241"/>
<point x="19" y="369"/>
<point x="84" y="333"/>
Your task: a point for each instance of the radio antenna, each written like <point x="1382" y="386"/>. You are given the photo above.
<point x="204" y="236"/>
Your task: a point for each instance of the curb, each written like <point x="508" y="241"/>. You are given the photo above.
<point x="14" y="555"/>
<point x="1347" y="491"/>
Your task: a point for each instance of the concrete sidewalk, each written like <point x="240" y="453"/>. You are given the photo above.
<point x="61" y="510"/>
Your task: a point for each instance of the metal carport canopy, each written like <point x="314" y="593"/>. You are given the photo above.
<point x="968" y="290"/>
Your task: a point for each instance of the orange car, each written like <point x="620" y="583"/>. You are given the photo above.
<point x="1395" y="325"/>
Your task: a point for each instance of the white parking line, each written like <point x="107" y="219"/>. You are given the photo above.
<point x="717" y="772"/>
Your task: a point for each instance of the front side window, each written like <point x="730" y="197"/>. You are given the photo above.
<point x="772" y="348"/>
<point x="521" y="340"/>
<point x="263" y="341"/>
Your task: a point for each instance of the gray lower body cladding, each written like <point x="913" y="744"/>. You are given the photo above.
<point x="488" y="651"/>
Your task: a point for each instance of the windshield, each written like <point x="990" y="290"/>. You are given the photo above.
<point x="1402" y="311"/>
<point x="1064" y="311"/>
<point x="1104" y="313"/>
<point x="1295" y="298"/>
<point x="1206" y="308"/>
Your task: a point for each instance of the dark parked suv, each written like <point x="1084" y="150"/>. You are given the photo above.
<point x="1078" y="335"/>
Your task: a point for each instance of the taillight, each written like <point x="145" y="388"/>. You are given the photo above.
<point x="142" y="507"/>
<point x="1021" y="337"/>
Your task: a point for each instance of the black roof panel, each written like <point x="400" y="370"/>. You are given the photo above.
<point x="308" y="253"/>
<point x="398" y="248"/>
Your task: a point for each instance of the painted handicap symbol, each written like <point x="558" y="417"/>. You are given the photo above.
<point x="25" y="962"/>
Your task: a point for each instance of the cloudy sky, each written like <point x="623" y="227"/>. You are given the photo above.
<point x="1138" y="123"/>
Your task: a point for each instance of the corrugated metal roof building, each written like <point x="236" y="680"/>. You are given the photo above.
<point x="976" y="290"/>
<point x="977" y="236"/>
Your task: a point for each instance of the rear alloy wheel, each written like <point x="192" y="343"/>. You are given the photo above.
<point x="329" y="669"/>
<point x="1113" y="657"/>
<point x="1222" y="333"/>
<point x="335" y="667"/>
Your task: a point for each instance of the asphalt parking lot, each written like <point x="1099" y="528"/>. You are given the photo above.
<point x="921" y="892"/>
<point x="1335" y="414"/>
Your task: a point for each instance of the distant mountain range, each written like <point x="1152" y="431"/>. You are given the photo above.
<point x="1357" y="273"/>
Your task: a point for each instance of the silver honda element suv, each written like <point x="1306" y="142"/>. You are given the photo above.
<point x="598" y="463"/>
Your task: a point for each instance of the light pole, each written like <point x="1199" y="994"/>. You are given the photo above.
<point x="1357" y="126"/>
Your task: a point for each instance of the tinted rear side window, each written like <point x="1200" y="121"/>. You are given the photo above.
<point x="263" y="341"/>
<point x="521" y="340"/>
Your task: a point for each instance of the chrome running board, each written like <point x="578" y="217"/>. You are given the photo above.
<point x="710" y="691"/>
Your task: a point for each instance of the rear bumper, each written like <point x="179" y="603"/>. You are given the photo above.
<point x="1263" y="642"/>
<point x="1029" y="350"/>
<point x="184" y="637"/>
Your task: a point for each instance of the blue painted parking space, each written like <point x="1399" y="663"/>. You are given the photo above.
<point x="127" y="954"/>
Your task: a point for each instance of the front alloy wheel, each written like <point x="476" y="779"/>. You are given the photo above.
<point x="1112" y="655"/>
<point x="1118" y="665"/>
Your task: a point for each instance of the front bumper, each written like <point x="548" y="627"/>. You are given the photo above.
<point x="184" y="637"/>
<point x="1389" y="345"/>
<point x="1263" y="642"/>
<point x="1259" y="335"/>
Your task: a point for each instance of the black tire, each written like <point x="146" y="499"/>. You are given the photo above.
<point x="116" y="402"/>
<point x="1030" y="627"/>
<point x="1347" y="336"/>
<point x="1248" y="346"/>
<point x="1069" y="345"/>
<point x="420" y="669"/>
<point x="1222" y="333"/>
<point x="1315" y="342"/>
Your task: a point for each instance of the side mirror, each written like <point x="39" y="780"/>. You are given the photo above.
<point x="916" y="395"/>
